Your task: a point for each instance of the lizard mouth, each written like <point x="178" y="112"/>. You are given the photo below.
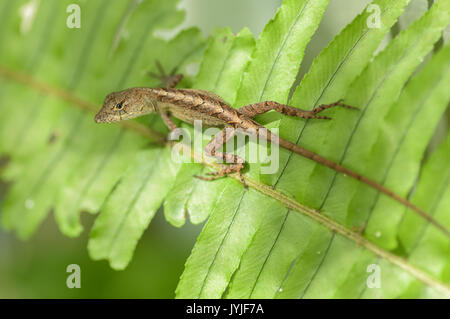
<point x="101" y="118"/>
<point x="98" y="118"/>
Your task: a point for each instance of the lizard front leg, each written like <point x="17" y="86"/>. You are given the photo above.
<point x="237" y="163"/>
<point x="168" y="121"/>
<point x="253" y="110"/>
<point x="167" y="80"/>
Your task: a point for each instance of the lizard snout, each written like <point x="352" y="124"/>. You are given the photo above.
<point x="99" y="118"/>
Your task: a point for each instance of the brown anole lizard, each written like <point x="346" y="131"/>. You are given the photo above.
<point x="191" y="104"/>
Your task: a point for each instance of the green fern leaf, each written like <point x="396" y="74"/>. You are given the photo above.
<point x="285" y="252"/>
<point x="56" y="169"/>
<point x="266" y="241"/>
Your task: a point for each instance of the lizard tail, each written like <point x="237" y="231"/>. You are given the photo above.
<point x="339" y="168"/>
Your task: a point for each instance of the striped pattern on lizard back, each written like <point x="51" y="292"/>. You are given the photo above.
<point x="190" y="104"/>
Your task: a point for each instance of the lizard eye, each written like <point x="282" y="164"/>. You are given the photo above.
<point x="119" y="105"/>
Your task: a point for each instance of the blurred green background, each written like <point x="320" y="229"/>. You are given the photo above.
<point x="37" y="268"/>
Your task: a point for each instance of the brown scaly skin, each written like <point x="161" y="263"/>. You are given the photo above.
<point x="189" y="105"/>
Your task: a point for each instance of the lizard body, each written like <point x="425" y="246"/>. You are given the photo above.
<point x="191" y="104"/>
<point x="185" y="104"/>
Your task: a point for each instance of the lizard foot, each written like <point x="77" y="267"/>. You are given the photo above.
<point x="167" y="80"/>
<point x="323" y="107"/>
<point x="235" y="168"/>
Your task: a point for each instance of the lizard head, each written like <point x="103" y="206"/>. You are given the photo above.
<point x="124" y="105"/>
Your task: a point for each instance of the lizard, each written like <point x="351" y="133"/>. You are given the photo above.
<point x="194" y="104"/>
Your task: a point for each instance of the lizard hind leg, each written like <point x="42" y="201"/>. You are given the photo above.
<point x="235" y="163"/>
<point x="253" y="110"/>
<point x="167" y="80"/>
<point x="340" y="103"/>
